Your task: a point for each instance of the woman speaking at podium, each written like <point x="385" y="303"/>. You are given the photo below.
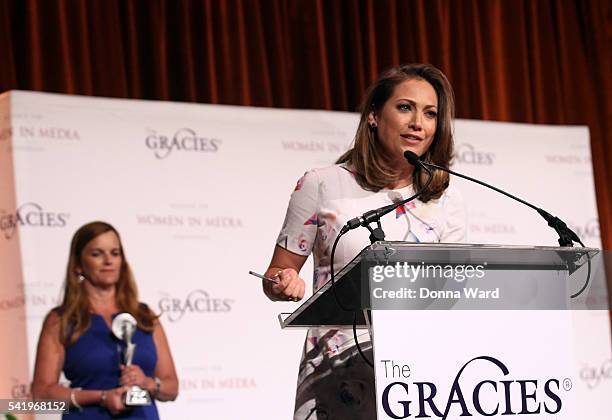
<point x="408" y="108"/>
<point x="76" y="337"/>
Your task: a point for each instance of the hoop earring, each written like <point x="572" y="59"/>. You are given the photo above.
<point x="373" y="127"/>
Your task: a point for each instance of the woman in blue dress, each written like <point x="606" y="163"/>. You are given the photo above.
<point x="76" y="337"/>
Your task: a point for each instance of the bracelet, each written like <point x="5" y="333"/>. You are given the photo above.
<point x="157" y="386"/>
<point x="73" y="398"/>
<point x="103" y="399"/>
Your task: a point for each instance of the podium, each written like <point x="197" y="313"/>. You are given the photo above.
<point x="464" y="330"/>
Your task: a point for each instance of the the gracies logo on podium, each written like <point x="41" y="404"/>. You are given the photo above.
<point x="489" y="397"/>
<point x="183" y="140"/>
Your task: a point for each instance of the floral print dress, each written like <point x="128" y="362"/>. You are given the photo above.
<point x="333" y="381"/>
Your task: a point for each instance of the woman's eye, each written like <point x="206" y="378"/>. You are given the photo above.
<point x="431" y="114"/>
<point x="404" y="107"/>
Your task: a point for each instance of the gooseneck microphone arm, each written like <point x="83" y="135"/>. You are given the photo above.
<point x="566" y="236"/>
<point x="376" y="234"/>
<point x="371" y="216"/>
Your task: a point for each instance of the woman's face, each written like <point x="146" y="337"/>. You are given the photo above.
<point x="101" y="260"/>
<point x="408" y="119"/>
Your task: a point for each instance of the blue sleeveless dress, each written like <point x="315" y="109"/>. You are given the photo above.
<point x="93" y="363"/>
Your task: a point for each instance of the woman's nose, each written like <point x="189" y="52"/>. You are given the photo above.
<point x="415" y="122"/>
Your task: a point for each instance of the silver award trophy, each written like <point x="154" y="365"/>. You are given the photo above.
<point x="124" y="326"/>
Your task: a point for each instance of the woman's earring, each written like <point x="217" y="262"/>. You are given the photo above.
<point x="81" y="278"/>
<point x="373" y="127"/>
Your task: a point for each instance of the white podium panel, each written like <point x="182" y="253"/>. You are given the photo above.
<point x="479" y="364"/>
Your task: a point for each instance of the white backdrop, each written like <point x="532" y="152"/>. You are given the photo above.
<point x="199" y="192"/>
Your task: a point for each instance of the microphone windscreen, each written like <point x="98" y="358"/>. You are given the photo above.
<point x="412" y="158"/>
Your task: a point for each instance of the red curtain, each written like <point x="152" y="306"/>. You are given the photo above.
<point x="544" y="61"/>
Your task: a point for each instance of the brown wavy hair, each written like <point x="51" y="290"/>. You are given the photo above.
<point x="371" y="163"/>
<point x="74" y="312"/>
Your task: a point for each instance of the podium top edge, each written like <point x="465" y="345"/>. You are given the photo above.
<point x="450" y="246"/>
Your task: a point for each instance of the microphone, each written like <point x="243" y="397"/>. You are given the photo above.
<point x="377" y="234"/>
<point x="566" y="236"/>
<point x="413" y="158"/>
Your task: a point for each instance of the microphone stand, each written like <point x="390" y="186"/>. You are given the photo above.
<point x="371" y="216"/>
<point x="377" y="233"/>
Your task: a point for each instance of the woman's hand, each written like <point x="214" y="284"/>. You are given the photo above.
<point x="114" y="400"/>
<point x="285" y="266"/>
<point x="133" y="375"/>
<point x="290" y="286"/>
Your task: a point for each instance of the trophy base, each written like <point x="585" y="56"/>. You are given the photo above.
<point x="137" y="396"/>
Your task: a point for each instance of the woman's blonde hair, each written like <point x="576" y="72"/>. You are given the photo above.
<point x="370" y="162"/>
<point x="74" y="312"/>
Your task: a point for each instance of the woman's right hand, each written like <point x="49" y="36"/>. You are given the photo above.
<point x="115" y="400"/>
<point x="290" y="285"/>
<point x="285" y="266"/>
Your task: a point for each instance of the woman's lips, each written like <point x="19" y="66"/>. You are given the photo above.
<point x="411" y="138"/>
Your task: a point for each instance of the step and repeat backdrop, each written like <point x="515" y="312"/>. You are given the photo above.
<point x="199" y="192"/>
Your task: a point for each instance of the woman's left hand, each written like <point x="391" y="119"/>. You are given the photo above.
<point x="133" y="375"/>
